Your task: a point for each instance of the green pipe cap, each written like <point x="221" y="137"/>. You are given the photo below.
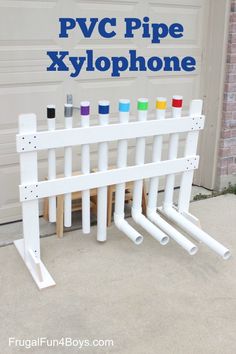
<point x="142" y="104"/>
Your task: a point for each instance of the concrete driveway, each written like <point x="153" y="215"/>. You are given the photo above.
<point x="147" y="299"/>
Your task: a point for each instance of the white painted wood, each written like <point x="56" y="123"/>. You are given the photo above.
<point x="37" y="269"/>
<point x="29" y="175"/>
<point x="190" y="149"/>
<point x="106" y="178"/>
<point x="29" y="246"/>
<point x="98" y="134"/>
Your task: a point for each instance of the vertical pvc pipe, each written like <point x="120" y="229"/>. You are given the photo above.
<point x="85" y="167"/>
<point x="140" y="154"/>
<point x="69" y="98"/>
<point x="122" y="149"/>
<point x="177" y="102"/>
<point x="103" y="110"/>
<point x="68" y="113"/>
<point x="51" y="120"/>
<point x="153" y="189"/>
<point x="156" y="154"/>
<point x="138" y="185"/>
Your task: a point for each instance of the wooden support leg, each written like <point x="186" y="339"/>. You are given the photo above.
<point x="60" y="216"/>
<point x="45" y="209"/>
<point x="144" y="200"/>
<point x="109" y="205"/>
<point x="93" y="200"/>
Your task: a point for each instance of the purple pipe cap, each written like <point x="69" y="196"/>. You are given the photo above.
<point x="84" y="108"/>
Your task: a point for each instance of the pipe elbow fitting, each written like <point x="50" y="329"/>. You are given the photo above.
<point x="150" y="213"/>
<point x="136" y="215"/>
<point x="128" y="230"/>
<point x="118" y="220"/>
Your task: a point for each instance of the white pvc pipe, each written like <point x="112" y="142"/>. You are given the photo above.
<point x="122" y="148"/>
<point x="51" y="120"/>
<point x="136" y="210"/>
<point x="172" y="153"/>
<point x="153" y="189"/>
<point x="103" y="109"/>
<point x="127" y="229"/>
<point x="68" y="165"/>
<point x="85" y="167"/>
<point x="156" y="155"/>
<point x="197" y="233"/>
<point x="172" y="232"/>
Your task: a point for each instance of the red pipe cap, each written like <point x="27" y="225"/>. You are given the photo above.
<point x="177" y="102"/>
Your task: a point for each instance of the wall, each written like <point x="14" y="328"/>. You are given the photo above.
<point x="227" y="148"/>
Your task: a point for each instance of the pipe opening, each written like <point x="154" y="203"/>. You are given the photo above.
<point x="139" y="240"/>
<point x="227" y="255"/>
<point x="193" y="250"/>
<point x="164" y="240"/>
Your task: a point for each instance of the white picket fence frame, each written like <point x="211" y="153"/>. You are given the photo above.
<point x="29" y="141"/>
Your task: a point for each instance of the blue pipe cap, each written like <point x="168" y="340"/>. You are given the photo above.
<point x="124" y="105"/>
<point x="103" y="107"/>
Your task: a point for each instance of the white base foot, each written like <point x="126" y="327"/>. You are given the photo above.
<point x="37" y="269"/>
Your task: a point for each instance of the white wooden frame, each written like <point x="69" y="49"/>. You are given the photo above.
<point x="29" y="142"/>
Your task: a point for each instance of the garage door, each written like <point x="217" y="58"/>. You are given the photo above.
<point x="28" y="28"/>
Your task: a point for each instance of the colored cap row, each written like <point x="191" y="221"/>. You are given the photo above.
<point x="161" y="103"/>
<point x="124" y="106"/>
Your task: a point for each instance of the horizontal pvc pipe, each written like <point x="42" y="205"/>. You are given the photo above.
<point x="197" y="233"/>
<point x="172" y="232"/>
<point x="156" y="233"/>
<point x="128" y="230"/>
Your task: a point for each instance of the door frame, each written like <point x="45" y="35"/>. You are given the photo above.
<point x="212" y="89"/>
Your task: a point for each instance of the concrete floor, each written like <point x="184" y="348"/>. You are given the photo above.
<point x="148" y="299"/>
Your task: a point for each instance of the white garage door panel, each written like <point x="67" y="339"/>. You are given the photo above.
<point x="29" y="28"/>
<point x="117" y="9"/>
<point x="111" y="89"/>
<point x="27" y="17"/>
<point x="189" y="16"/>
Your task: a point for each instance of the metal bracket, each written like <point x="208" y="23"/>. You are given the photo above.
<point x="198" y="122"/>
